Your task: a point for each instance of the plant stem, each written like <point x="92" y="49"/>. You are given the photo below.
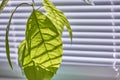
<point x="33" y="2"/>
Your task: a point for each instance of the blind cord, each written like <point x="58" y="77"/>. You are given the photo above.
<point x="115" y="67"/>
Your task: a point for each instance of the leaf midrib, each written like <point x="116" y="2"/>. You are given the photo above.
<point x="40" y="34"/>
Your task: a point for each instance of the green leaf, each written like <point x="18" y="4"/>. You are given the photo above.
<point x="57" y="17"/>
<point x="7" y="34"/>
<point x="40" y="54"/>
<point x="3" y="4"/>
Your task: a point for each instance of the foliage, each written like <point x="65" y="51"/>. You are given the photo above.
<point x="57" y="17"/>
<point x="40" y="53"/>
<point x="3" y="4"/>
<point x="7" y="33"/>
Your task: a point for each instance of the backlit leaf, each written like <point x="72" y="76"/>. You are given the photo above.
<point x="57" y="17"/>
<point x="40" y="54"/>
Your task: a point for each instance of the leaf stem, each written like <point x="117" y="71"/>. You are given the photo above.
<point x="33" y="2"/>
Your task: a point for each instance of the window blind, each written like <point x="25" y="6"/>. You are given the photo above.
<point x="92" y="27"/>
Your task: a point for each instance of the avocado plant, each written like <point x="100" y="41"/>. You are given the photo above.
<point x="40" y="54"/>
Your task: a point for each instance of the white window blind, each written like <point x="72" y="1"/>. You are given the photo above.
<point x="92" y="31"/>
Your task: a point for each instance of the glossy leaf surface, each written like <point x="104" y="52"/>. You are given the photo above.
<point x="57" y="17"/>
<point x="40" y="54"/>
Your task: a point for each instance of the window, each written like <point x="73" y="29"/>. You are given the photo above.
<point x="95" y="30"/>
